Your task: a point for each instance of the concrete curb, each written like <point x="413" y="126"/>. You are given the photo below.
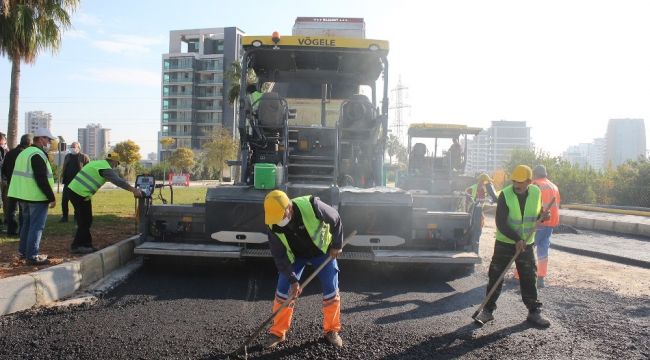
<point x="54" y="283"/>
<point x="622" y="225"/>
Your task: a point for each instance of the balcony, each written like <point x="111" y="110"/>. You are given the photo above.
<point x="177" y="81"/>
<point x="177" y="94"/>
<point x="209" y="108"/>
<point x="218" y="80"/>
<point x="176" y="133"/>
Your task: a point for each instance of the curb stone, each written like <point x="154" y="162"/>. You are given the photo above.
<point x="45" y="286"/>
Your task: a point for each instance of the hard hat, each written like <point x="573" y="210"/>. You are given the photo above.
<point x="112" y="155"/>
<point x="483" y="178"/>
<point x="522" y="173"/>
<point x="275" y="205"/>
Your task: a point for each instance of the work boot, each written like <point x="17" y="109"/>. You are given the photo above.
<point x="537" y="319"/>
<point x="38" y="260"/>
<point x="333" y="338"/>
<point x="273" y="340"/>
<point x="484" y="317"/>
<point x="540" y="283"/>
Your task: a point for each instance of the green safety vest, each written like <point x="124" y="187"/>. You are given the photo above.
<point x="23" y="186"/>
<point x="474" y="191"/>
<point x="255" y="97"/>
<point x="318" y="230"/>
<point x="524" y="226"/>
<point x="88" y="181"/>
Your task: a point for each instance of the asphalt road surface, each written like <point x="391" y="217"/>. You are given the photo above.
<point x="189" y="312"/>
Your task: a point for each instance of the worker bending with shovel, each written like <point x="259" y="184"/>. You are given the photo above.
<point x="519" y="207"/>
<point x="302" y="231"/>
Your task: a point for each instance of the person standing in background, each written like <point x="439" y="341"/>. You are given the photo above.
<point x="13" y="226"/>
<point x="72" y="164"/>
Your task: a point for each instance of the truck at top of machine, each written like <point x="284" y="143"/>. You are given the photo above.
<point x="319" y="128"/>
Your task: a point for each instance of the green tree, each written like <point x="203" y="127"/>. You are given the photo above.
<point x="394" y="147"/>
<point x="28" y="28"/>
<point x="221" y="147"/>
<point x="233" y="74"/>
<point x="182" y="159"/>
<point x="129" y="153"/>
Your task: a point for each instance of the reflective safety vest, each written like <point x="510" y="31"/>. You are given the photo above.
<point x="524" y="226"/>
<point x="23" y="186"/>
<point x="254" y="98"/>
<point x="474" y="190"/>
<point x="88" y="181"/>
<point x="318" y="230"/>
<point x="549" y="191"/>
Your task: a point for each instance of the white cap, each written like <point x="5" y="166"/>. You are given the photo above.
<point x="44" y="132"/>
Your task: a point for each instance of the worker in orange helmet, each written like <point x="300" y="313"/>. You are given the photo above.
<point x="302" y="231"/>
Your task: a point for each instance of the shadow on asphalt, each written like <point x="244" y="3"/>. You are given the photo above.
<point x="457" y="343"/>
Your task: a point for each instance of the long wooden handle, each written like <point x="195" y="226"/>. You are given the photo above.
<point x="291" y="298"/>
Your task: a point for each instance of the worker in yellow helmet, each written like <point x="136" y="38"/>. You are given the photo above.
<point x="82" y="187"/>
<point x="483" y="188"/>
<point x="303" y="230"/>
<point x="519" y="207"/>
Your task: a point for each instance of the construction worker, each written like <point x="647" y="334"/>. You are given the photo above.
<point x="479" y="192"/>
<point x="519" y="207"/>
<point x="303" y="231"/>
<point x="545" y="229"/>
<point x="13" y="226"/>
<point x="82" y="187"/>
<point x="254" y="97"/>
<point x="483" y="188"/>
<point x="72" y="164"/>
<point x="31" y="185"/>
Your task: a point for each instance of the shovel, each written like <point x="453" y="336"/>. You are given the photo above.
<point x="243" y="349"/>
<point x="503" y="273"/>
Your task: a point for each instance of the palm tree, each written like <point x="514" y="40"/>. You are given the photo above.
<point x="26" y="29"/>
<point x="234" y="76"/>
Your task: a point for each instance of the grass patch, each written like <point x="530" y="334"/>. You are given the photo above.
<point x="112" y="208"/>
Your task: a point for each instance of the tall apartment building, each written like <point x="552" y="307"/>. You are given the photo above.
<point x="95" y="140"/>
<point x="194" y="88"/>
<point x="37" y="119"/>
<point x="490" y="149"/>
<point x="625" y="140"/>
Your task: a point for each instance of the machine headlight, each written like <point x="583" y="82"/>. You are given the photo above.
<point x="257" y="43"/>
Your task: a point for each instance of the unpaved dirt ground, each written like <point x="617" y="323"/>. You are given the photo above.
<point x="176" y="311"/>
<point x="570" y="270"/>
<point x="57" y="247"/>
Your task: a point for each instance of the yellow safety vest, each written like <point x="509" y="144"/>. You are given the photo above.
<point x="23" y="186"/>
<point x="318" y="230"/>
<point x="523" y="225"/>
<point x="88" y="180"/>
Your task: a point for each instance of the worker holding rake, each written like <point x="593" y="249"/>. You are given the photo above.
<point x="519" y="207"/>
<point x="303" y="231"/>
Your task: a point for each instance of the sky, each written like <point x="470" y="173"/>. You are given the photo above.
<point x="565" y="67"/>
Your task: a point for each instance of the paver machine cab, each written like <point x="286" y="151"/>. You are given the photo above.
<point x="317" y="129"/>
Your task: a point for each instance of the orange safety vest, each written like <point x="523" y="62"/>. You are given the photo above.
<point x="549" y="190"/>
